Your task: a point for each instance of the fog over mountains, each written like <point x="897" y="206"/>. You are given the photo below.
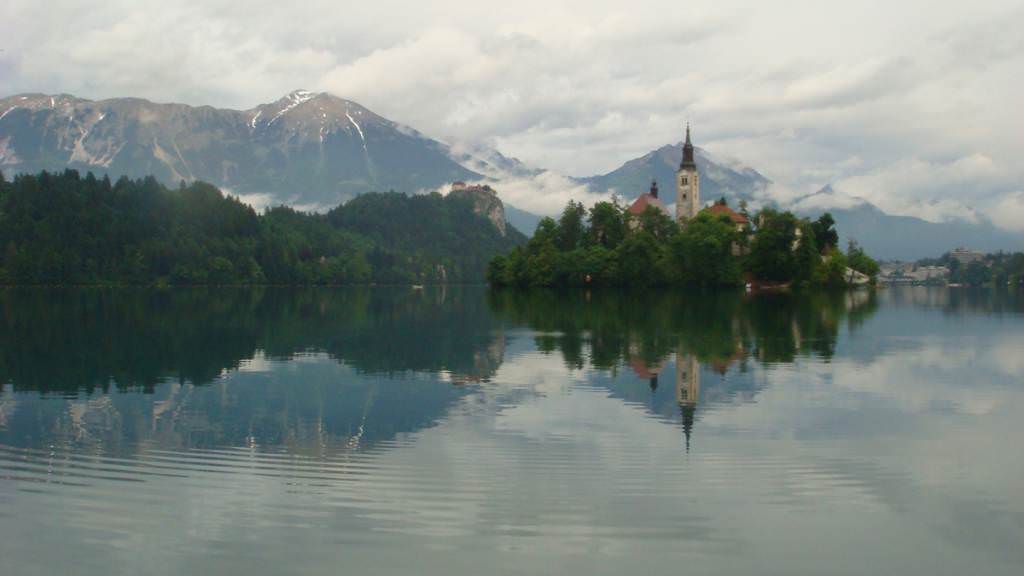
<point x="315" y="150"/>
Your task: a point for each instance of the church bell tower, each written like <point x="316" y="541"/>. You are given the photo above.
<point x="687" y="184"/>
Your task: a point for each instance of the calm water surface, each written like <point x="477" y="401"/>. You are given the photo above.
<point x="457" y="431"/>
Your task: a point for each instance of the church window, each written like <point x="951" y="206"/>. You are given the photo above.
<point x="685" y="181"/>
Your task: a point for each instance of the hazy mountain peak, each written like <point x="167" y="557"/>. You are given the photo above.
<point x="731" y="179"/>
<point x="828" y="198"/>
<point x="307" y="148"/>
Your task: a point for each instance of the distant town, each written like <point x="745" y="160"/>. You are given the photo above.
<point x="959" y="267"/>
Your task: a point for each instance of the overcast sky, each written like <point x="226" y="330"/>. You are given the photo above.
<point x="914" y="105"/>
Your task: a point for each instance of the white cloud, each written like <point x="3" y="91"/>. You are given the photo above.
<point x="545" y="193"/>
<point x="581" y="86"/>
<point x="932" y="190"/>
<point x="1008" y="212"/>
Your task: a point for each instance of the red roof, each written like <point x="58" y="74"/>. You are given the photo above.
<point x="720" y="209"/>
<point x="641" y="204"/>
<point x="642" y="369"/>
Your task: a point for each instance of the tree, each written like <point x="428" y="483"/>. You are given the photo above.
<point x="833" y="271"/>
<point x="702" y="253"/>
<point x="638" y="258"/>
<point x="977" y="274"/>
<point x="825" y="234"/>
<point x="860" y="261"/>
<point x="570" y="227"/>
<point x="70" y="230"/>
<point x="658" y="224"/>
<point x="771" y="255"/>
<point x="808" y="259"/>
<point x="608" y="225"/>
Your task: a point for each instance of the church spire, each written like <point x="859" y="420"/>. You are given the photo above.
<point x="688" y="161"/>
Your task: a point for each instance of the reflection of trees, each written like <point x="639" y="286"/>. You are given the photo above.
<point x="68" y="340"/>
<point x="693" y="331"/>
<point x="174" y="345"/>
<point x="718" y="327"/>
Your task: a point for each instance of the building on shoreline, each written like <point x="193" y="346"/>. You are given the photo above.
<point x="965" y="255"/>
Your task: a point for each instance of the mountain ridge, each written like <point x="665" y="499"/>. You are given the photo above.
<point x="304" y="148"/>
<point x="315" y="150"/>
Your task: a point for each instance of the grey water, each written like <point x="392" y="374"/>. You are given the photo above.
<point x="465" y="431"/>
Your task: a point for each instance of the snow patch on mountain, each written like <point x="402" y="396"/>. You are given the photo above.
<point x="358" y="129"/>
<point x="296" y="98"/>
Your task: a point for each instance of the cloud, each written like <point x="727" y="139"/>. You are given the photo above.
<point x="933" y="191"/>
<point x="545" y="193"/>
<point x="1008" y="212"/>
<point x="579" y="87"/>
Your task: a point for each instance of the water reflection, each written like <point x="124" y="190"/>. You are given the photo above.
<point x="690" y="333"/>
<point x="451" y="431"/>
<point x="322" y="368"/>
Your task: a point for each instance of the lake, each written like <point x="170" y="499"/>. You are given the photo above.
<point x="463" y="431"/>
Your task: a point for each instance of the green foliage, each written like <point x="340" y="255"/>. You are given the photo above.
<point x="977" y="274"/>
<point x="861" y="262"/>
<point x="658" y="224"/>
<point x="833" y="272"/>
<point x="772" y="252"/>
<point x="651" y="249"/>
<point x="999" y="269"/>
<point x="808" y="259"/>
<point x="63" y="229"/>
<point x="825" y="235"/>
<point x="715" y="326"/>
<point x="570" y="227"/>
<point x="702" y="254"/>
<point x="608" y="225"/>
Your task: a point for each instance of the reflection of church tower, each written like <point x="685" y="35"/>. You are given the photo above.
<point x="687" y="183"/>
<point x="687" y="390"/>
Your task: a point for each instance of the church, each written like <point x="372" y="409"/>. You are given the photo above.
<point x="687" y="184"/>
<point x="688" y="203"/>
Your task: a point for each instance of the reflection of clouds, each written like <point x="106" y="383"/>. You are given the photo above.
<point x="258" y="363"/>
<point x="931" y="427"/>
<point x="908" y="458"/>
<point x="1007" y="355"/>
<point x="538" y="372"/>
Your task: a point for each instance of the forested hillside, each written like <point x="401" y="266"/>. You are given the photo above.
<point x="68" y="229"/>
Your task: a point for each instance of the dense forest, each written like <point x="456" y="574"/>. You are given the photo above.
<point x="607" y="245"/>
<point x="65" y="229"/>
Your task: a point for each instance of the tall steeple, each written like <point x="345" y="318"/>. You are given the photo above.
<point x="687" y="183"/>
<point x="688" y="161"/>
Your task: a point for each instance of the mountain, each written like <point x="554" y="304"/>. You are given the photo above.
<point x="882" y="235"/>
<point x="306" y="148"/>
<point x="717" y="178"/>
<point x="890" y="237"/>
<point x="525" y="222"/>
<point x="315" y="150"/>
